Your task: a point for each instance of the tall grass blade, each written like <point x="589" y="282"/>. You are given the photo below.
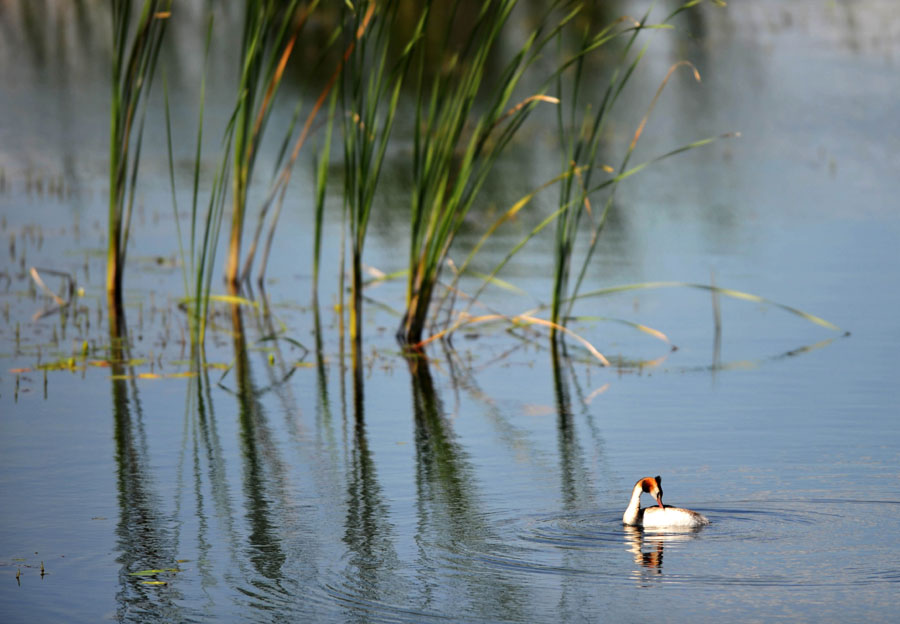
<point x="581" y="147"/>
<point x="200" y="255"/>
<point x="519" y="319"/>
<point x="555" y="216"/>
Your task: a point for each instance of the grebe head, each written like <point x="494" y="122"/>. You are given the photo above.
<point x="653" y="487"/>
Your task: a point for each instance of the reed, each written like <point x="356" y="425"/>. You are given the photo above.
<point x="576" y="168"/>
<point x="279" y="186"/>
<point x="198" y="257"/>
<point x="323" y="160"/>
<point x="134" y="59"/>
<point x="205" y="226"/>
<point x="580" y="131"/>
<point x="455" y="143"/>
<point x="271" y="29"/>
<point x="370" y="95"/>
<point x="284" y="165"/>
<point x="456" y="146"/>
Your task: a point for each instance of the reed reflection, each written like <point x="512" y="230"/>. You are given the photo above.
<point x="575" y="478"/>
<point x="323" y="403"/>
<point x="206" y="445"/>
<point x="572" y="470"/>
<point x="280" y="368"/>
<point x="144" y="536"/>
<point x="262" y="468"/>
<point x="368" y="533"/>
<point x="451" y="523"/>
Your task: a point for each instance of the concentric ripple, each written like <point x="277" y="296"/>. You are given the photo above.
<point x="513" y="568"/>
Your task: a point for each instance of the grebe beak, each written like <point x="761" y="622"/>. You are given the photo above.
<point x="659" y="500"/>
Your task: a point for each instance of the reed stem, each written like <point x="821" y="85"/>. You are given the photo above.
<point x="271" y="29"/>
<point x="456" y="146"/>
<point x="133" y="68"/>
<point x="370" y="94"/>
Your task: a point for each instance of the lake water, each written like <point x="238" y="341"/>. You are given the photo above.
<point x="488" y="483"/>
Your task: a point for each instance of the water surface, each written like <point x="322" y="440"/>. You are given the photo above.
<point x="488" y="483"/>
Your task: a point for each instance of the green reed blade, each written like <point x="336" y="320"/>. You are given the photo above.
<point x="169" y="152"/>
<point x="321" y="185"/>
<point x="198" y="152"/>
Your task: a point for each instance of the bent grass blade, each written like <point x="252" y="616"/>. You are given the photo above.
<point x="728" y="292"/>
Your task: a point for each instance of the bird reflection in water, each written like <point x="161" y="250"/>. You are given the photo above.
<point x="647" y="548"/>
<point x="652" y="558"/>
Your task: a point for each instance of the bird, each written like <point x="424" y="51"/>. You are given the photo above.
<point x="661" y="517"/>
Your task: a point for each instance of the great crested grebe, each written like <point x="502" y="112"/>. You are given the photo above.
<point x="661" y="517"/>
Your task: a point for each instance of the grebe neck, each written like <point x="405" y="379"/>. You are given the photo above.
<point x="633" y="511"/>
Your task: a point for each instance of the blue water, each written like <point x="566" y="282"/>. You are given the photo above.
<point x="488" y="484"/>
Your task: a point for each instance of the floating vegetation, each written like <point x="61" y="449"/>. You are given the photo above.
<point x="143" y="574"/>
<point x="154" y="572"/>
<point x="69" y="364"/>
<point x="180" y="375"/>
